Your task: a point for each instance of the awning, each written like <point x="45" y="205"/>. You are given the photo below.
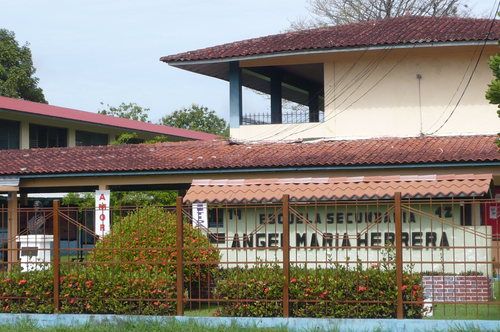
<point x="9" y="183"/>
<point x="339" y="188"/>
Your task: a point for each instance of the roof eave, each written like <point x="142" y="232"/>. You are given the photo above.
<point x="181" y="63"/>
<point x="262" y="169"/>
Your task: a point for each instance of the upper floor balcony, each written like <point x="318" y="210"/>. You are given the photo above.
<point x="297" y="84"/>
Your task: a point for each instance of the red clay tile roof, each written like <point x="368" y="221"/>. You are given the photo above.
<point x="394" y="31"/>
<point x="29" y="107"/>
<point x="343" y="188"/>
<point x="218" y="155"/>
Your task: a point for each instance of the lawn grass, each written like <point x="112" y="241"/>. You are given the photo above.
<point x="174" y="326"/>
<point x="490" y="310"/>
<point x="467" y="311"/>
<point x="203" y="311"/>
<point x="132" y="326"/>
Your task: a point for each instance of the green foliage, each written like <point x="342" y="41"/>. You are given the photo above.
<point x="81" y="200"/>
<point x="133" y="138"/>
<point x="128" y="138"/>
<point x="89" y="290"/>
<point x="319" y="293"/>
<point x="198" y="118"/>
<point x="127" y="111"/>
<point x="493" y="92"/>
<point x="17" y="70"/>
<point x="143" y="198"/>
<point x="130" y="271"/>
<point x="27" y="292"/>
<point x="145" y="240"/>
<point x="123" y="198"/>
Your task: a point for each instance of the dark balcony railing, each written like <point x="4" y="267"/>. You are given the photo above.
<point x="290" y="117"/>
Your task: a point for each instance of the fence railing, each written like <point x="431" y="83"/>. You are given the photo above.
<point x="288" y="117"/>
<point x="371" y="259"/>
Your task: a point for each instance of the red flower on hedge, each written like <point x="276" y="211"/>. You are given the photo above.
<point x="404" y="287"/>
<point x="266" y="290"/>
<point x="323" y="295"/>
<point x="293" y="280"/>
<point x="362" y="289"/>
<point x="22" y="282"/>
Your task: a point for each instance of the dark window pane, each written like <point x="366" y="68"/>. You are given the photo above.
<point x="9" y="134"/>
<point x="48" y="137"/>
<point x="215" y="218"/>
<point x="86" y="138"/>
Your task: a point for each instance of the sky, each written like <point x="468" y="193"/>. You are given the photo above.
<point x="89" y="52"/>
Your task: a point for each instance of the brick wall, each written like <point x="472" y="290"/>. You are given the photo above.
<point x="457" y="288"/>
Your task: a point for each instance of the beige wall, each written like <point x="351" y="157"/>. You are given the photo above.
<point x="376" y="94"/>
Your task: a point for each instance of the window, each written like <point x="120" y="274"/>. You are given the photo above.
<point x="466" y="214"/>
<point x="86" y="138"/>
<point x="215" y="218"/>
<point x="48" y="137"/>
<point x="9" y="135"/>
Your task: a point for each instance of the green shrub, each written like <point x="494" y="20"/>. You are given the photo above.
<point x="27" y="292"/>
<point x="336" y="292"/>
<point x="89" y="291"/>
<point x="145" y="240"/>
<point x="130" y="271"/>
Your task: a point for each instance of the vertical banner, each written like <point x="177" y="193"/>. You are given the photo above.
<point x="102" y="201"/>
<point x="200" y="215"/>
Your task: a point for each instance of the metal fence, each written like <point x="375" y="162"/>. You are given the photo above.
<point x="385" y="258"/>
<point x="287" y="117"/>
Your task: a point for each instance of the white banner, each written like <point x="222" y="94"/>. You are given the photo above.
<point x="200" y="215"/>
<point x="102" y="202"/>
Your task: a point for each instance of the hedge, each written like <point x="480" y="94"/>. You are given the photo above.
<point x="89" y="291"/>
<point x="336" y="292"/>
<point x="130" y="271"/>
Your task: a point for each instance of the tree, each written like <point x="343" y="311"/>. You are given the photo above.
<point x="335" y="12"/>
<point x="199" y="118"/>
<point x="493" y="92"/>
<point x="17" y="70"/>
<point x="141" y="198"/>
<point x="128" y="111"/>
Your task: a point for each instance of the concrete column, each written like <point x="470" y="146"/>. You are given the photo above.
<point x="71" y="137"/>
<point x="313" y="106"/>
<point x="235" y="95"/>
<point x="23" y="199"/>
<point x="103" y="186"/>
<point x="276" y="107"/>
<point x="12" y="229"/>
<point x="24" y="135"/>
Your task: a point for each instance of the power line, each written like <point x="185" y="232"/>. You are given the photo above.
<point x="355" y="101"/>
<point x="473" y="71"/>
<point x="325" y="92"/>
<point x="360" y="78"/>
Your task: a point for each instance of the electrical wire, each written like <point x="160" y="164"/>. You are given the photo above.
<point x="473" y="71"/>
